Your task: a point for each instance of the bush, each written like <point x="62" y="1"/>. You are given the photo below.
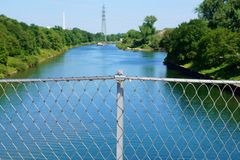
<point x="2" y="76"/>
<point x="3" y="69"/>
<point x="17" y="63"/>
<point x="181" y="44"/>
<point x="146" y="46"/>
<point x="122" y="46"/>
<point x="32" y="61"/>
<point x="217" y="47"/>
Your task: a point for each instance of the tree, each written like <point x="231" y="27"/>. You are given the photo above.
<point x="217" y="47"/>
<point x="115" y="37"/>
<point x="147" y="29"/>
<point x="3" y="52"/>
<point x="221" y="13"/>
<point x="182" y="43"/>
<point x="55" y="39"/>
<point x="133" y="34"/>
<point x="21" y="43"/>
<point x="155" y="41"/>
<point x="145" y="38"/>
<point x="166" y="38"/>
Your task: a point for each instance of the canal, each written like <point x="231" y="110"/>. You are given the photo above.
<point x="93" y="60"/>
<point x="77" y="119"/>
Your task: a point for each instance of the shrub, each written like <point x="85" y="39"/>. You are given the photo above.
<point x="217" y="47"/>
<point x="17" y="63"/>
<point x="32" y="61"/>
<point x="2" y="75"/>
<point x="3" y="69"/>
<point x="122" y="46"/>
<point x="182" y="43"/>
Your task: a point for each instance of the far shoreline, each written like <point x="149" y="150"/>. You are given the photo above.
<point x="138" y="49"/>
<point x="51" y="54"/>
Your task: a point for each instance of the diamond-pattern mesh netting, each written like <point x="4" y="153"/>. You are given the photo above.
<point x="57" y="120"/>
<point x="173" y="120"/>
<point x="77" y="119"/>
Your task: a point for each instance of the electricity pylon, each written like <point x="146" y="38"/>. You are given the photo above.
<point x="104" y="28"/>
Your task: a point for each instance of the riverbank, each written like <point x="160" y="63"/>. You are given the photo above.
<point x="195" y="74"/>
<point x="187" y="71"/>
<point x="138" y="49"/>
<point x="16" y="65"/>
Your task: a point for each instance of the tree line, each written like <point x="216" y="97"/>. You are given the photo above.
<point x="23" y="46"/>
<point x="146" y="38"/>
<point x="209" y="44"/>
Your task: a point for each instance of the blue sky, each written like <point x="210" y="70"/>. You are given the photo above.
<point x="122" y="15"/>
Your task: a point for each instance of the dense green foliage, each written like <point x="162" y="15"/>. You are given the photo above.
<point x="147" y="29"/>
<point x="183" y="41"/>
<point x="99" y="37"/>
<point x="23" y="46"/>
<point x="210" y="44"/>
<point x="115" y="37"/>
<point x="221" y="13"/>
<point x="145" y="38"/>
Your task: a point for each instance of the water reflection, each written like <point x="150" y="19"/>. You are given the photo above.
<point x="177" y="117"/>
<point x="94" y="60"/>
<point x="148" y="71"/>
<point x="148" y="55"/>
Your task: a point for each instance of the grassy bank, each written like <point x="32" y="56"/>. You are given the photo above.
<point x="216" y="73"/>
<point x="142" y="48"/>
<point x="22" y="63"/>
<point x="213" y="73"/>
<point x="221" y="72"/>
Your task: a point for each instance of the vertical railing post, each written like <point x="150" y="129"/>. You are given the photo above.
<point x="120" y="114"/>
